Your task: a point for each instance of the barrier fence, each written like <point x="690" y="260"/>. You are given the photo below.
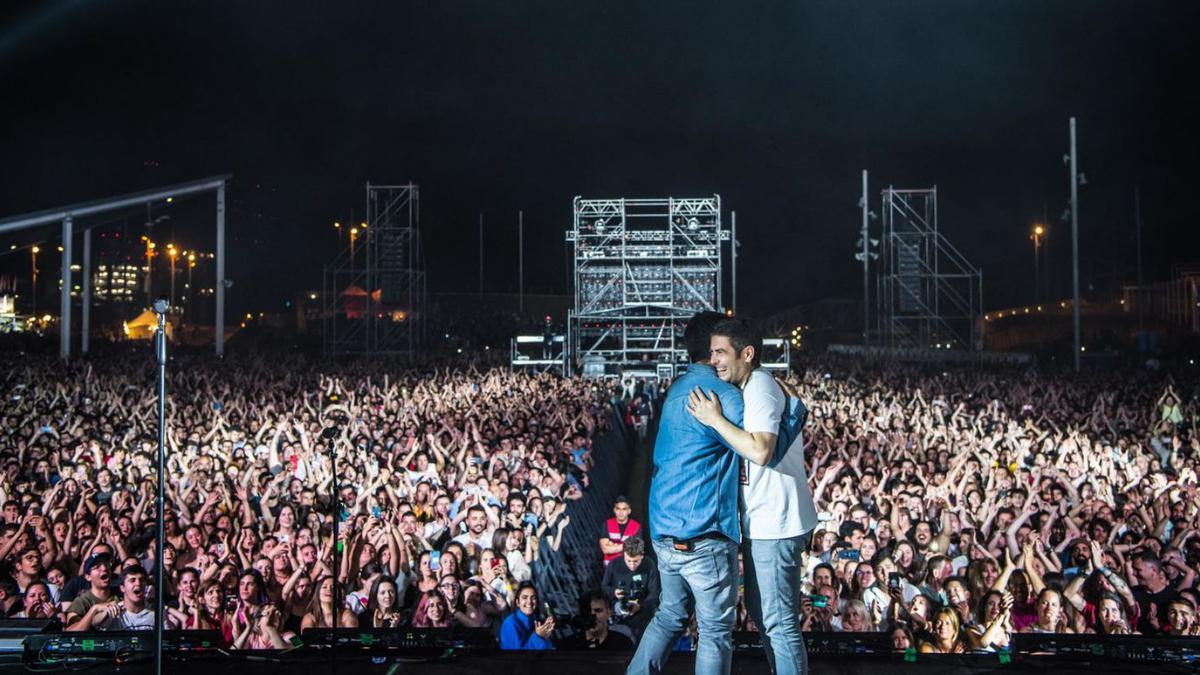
<point x="563" y="576"/>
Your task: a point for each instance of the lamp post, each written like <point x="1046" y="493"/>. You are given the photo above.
<point x="191" y="266"/>
<point x="1039" y="231"/>
<point x="338" y="226"/>
<point x="353" y="236"/>
<point x="150" y="245"/>
<point x="172" y="253"/>
<point x="33" y="254"/>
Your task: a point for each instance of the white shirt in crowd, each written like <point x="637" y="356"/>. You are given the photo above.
<point x="776" y="502"/>
<point x="127" y="620"/>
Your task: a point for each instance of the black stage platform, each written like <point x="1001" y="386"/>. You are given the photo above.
<point x="576" y="663"/>
<point x="454" y="651"/>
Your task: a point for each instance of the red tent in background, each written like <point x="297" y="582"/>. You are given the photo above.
<point x="356" y="301"/>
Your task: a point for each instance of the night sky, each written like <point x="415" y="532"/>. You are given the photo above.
<point x="501" y="106"/>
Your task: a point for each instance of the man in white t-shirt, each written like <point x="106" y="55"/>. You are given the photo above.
<point x="128" y="613"/>
<point x="478" y="535"/>
<point x="778" y="514"/>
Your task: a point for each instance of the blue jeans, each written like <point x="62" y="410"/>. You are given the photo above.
<point x="707" y="576"/>
<point x="773" y="577"/>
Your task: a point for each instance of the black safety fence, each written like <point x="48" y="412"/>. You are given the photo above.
<point x="563" y="576"/>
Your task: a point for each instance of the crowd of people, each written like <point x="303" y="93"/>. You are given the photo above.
<point x="451" y="481"/>
<point x="955" y="508"/>
<point x="960" y="507"/>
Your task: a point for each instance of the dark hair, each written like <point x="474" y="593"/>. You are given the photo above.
<point x="373" y="601"/>
<point x="634" y="546"/>
<point x="133" y="571"/>
<point x="742" y="333"/>
<point x="585" y="603"/>
<point x="697" y="333"/>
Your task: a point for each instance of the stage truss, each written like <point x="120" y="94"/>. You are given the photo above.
<point x="929" y="295"/>
<point x="374" y="292"/>
<point x="643" y="267"/>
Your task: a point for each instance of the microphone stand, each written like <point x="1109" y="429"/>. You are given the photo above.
<point x="160" y="350"/>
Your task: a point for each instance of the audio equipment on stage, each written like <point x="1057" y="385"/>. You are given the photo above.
<point x="824" y="643"/>
<point x="14" y="631"/>
<point x="1108" y="647"/>
<point x="439" y="639"/>
<point x="114" y="645"/>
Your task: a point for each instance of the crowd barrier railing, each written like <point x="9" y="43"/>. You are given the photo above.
<point x="563" y="576"/>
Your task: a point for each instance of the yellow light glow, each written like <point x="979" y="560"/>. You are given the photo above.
<point x="170" y="199"/>
<point x="37" y="250"/>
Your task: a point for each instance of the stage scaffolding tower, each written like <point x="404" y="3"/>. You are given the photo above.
<point x="929" y="295"/>
<point x="374" y="294"/>
<point x="643" y="267"/>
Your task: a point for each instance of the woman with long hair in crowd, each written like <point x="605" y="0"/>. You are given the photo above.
<point x="210" y="613"/>
<point x="321" y="606"/>
<point x="383" y="608"/>
<point x="431" y="611"/>
<point x="993" y="621"/>
<point x="480" y="606"/>
<point x="946" y="635"/>
<point x="1110" y="617"/>
<point x="263" y="629"/>
<point x="452" y="591"/>
<point x="1051" y="615"/>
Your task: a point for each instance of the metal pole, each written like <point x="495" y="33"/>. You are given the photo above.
<point x="220" y="286"/>
<point x="866" y="252"/>
<point x="1137" y="213"/>
<point x="1037" y="246"/>
<point x="734" y="247"/>
<point x="64" y="296"/>
<point x="87" y="291"/>
<point x="481" y="254"/>
<point x="521" y="262"/>
<point x="336" y="504"/>
<point x="1075" y="245"/>
<point x="33" y="270"/>
<point x="161" y="354"/>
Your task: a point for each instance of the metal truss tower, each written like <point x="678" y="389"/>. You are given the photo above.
<point x="643" y="267"/>
<point x="374" y="291"/>
<point x="929" y="295"/>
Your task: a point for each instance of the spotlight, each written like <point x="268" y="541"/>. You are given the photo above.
<point x="693" y="224"/>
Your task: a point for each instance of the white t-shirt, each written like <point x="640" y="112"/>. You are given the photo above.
<point x="776" y="502"/>
<point x="127" y="620"/>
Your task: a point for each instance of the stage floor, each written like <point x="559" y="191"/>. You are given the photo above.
<point x="575" y="663"/>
